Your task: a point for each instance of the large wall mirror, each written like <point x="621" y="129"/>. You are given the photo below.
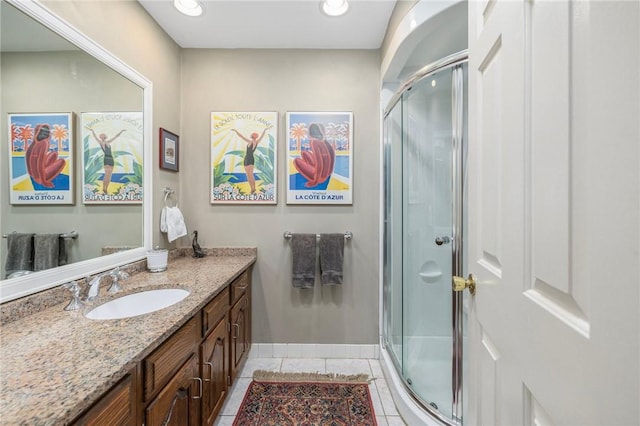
<point x="49" y="68"/>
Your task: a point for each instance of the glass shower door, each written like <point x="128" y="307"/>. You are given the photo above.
<point x="423" y="319"/>
<point x="393" y="234"/>
<point x="427" y="218"/>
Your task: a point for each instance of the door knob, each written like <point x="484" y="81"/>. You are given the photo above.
<point x="459" y="284"/>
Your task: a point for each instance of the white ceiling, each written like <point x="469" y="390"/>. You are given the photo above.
<point x="279" y="24"/>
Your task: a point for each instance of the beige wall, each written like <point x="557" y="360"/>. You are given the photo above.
<point x="271" y="80"/>
<point x="126" y="30"/>
<point x="281" y="80"/>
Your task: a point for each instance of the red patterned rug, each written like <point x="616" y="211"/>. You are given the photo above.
<point x="301" y="399"/>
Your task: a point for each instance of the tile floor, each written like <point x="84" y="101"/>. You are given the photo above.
<point x="385" y="410"/>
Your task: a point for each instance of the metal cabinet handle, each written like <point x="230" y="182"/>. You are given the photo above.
<point x="200" y="383"/>
<point x="181" y="394"/>
<point x="236" y="336"/>
<point x="210" y="364"/>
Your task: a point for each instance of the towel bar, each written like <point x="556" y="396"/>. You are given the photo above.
<point x="72" y="235"/>
<point x="347" y="235"/>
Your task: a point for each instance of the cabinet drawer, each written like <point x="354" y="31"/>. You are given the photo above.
<point x="116" y="407"/>
<point x="215" y="311"/>
<point x="240" y="286"/>
<point x="167" y="359"/>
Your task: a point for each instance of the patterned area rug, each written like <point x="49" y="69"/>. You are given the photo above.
<point x="306" y="399"/>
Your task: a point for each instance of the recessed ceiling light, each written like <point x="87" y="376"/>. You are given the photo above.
<point x="335" y="7"/>
<point x="189" y="7"/>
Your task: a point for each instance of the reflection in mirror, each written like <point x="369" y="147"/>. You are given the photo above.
<point x="43" y="75"/>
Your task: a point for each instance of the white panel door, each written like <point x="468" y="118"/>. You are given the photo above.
<point x="554" y="212"/>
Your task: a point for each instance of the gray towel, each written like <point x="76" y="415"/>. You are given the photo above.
<point x="331" y="257"/>
<point x="19" y="253"/>
<point x="303" y="250"/>
<point x="64" y="248"/>
<point x="46" y="250"/>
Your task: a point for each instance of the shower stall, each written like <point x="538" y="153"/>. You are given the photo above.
<point x="423" y="172"/>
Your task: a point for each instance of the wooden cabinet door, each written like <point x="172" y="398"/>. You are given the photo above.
<point x="178" y="403"/>
<point x="214" y="355"/>
<point x="239" y="333"/>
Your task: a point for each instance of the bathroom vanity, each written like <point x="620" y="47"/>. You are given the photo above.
<point x="59" y="367"/>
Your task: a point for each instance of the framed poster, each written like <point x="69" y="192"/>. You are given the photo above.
<point x="112" y="157"/>
<point x="41" y="158"/>
<point x="169" y="150"/>
<point x="319" y="158"/>
<point x="244" y="157"/>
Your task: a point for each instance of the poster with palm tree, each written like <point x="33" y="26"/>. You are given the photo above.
<point x="41" y="158"/>
<point x="244" y="157"/>
<point x="319" y="158"/>
<point x="112" y="157"/>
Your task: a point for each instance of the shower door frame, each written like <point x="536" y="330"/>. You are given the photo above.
<point x="457" y="60"/>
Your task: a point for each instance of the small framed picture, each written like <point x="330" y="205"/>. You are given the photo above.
<point x="169" y="150"/>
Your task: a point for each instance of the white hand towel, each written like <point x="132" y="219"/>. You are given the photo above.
<point x="163" y="220"/>
<point x="176" y="227"/>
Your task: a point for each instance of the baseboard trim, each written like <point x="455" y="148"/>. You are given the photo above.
<point x="313" y="350"/>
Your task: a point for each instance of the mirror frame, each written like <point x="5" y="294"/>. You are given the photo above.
<point x="43" y="280"/>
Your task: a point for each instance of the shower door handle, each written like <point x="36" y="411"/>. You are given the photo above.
<point x="442" y="240"/>
<point x="459" y="284"/>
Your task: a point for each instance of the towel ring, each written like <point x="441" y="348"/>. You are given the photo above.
<point x="168" y="195"/>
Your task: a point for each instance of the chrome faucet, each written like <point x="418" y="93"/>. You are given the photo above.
<point x="75" y="303"/>
<point x="116" y="276"/>
<point x="94" y="285"/>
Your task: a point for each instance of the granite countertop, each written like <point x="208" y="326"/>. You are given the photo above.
<point x="54" y="364"/>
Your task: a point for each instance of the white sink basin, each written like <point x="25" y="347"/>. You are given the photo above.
<point x="136" y="304"/>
